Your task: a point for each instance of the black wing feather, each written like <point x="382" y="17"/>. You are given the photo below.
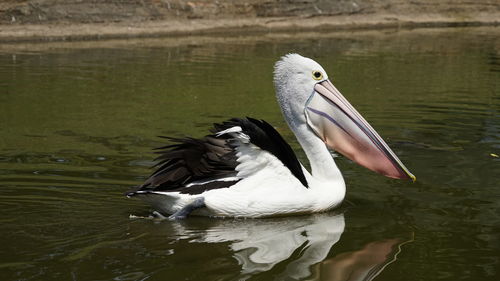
<point x="273" y="142"/>
<point x="189" y="160"/>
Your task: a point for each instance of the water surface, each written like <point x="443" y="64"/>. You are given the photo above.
<point x="78" y="121"/>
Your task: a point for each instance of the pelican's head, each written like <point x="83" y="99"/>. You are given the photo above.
<point x="308" y="98"/>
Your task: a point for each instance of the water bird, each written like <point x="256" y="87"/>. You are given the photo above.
<point x="244" y="167"/>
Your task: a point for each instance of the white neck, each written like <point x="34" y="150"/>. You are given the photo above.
<point x="293" y="88"/>
<point x="323" y="167"/>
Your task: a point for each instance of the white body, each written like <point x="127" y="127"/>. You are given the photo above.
<point x="270" y="190"/>
<point x="267" y="187"/>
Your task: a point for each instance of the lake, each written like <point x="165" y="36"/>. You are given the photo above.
<point x="78" y="121"/>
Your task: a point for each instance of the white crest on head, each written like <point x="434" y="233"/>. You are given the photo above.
<point x="294" y="82"/>
<point x="296" y="64"/>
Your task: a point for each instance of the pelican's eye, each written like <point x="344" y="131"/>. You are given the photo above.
<point x="317" y="75"/>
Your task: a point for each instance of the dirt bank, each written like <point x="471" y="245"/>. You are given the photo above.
<point x="51" y="20"/>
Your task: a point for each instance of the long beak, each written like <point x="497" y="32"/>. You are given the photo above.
<point x="343" y="129"/>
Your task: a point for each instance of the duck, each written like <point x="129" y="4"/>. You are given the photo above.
<point x="245" y="169"/>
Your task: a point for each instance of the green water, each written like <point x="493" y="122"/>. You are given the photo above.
<point x="78" y="121"/>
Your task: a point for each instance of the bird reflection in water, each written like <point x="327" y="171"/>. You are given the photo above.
<point x="361" y="265"/>
<point x="297" y="248"/>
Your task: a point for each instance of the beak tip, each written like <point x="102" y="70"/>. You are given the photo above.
<point x="413" y="178"/>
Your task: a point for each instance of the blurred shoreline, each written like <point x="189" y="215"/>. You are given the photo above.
<point x="77" y="20"/>
<point x="386" y="36"/>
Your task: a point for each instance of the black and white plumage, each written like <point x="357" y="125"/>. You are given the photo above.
<point x="246" y="169"/>
<point x="193" y="166"/>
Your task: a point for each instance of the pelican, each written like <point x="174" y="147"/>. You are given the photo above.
<point x="244" y="168"/>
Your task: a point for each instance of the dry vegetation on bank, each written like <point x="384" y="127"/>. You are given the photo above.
<point x="33" y="20"/>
